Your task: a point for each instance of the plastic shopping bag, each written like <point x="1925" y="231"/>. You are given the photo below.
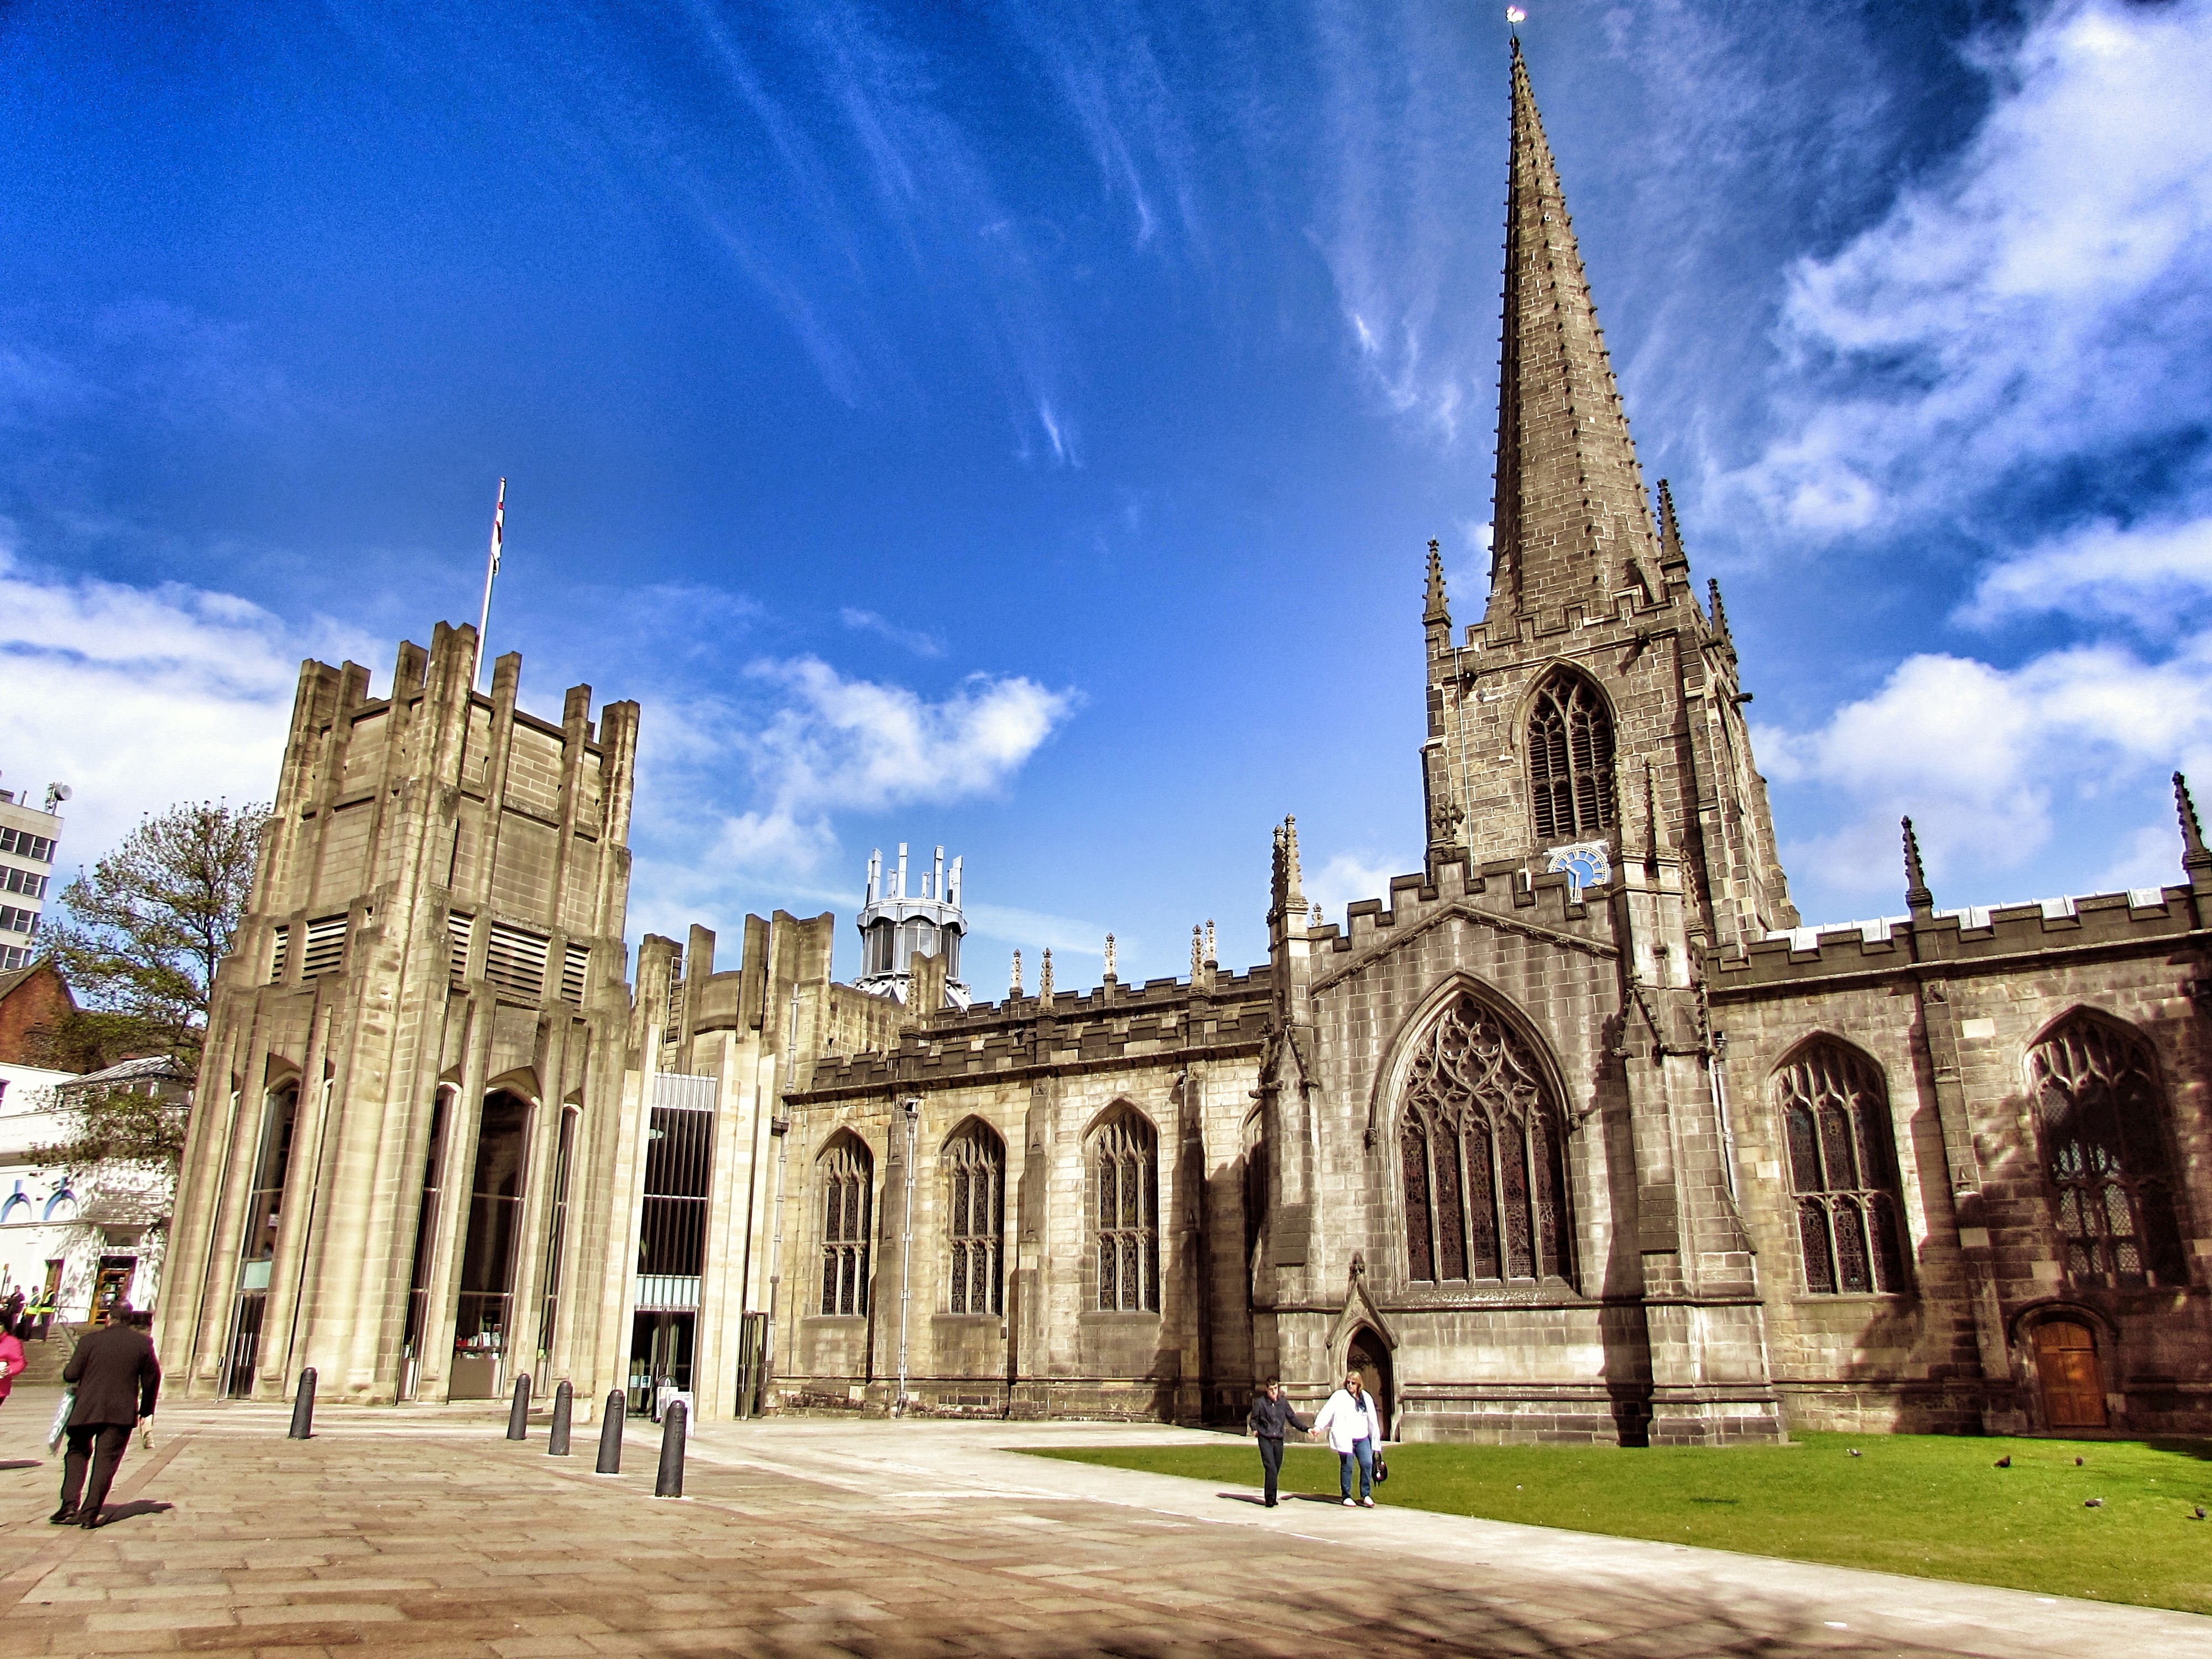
<point x="61" y="1418"/>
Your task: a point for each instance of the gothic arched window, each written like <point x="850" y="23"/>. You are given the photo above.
<point x="1481" y="1147"/>
<point x="1571" y="759"/>
<point x="1126" y="1214"/>
<point x="1843" y="1170"/>
<point x="847" y="1194"/>
<point x="975" y="1171"/>
<point x="2103" y="1140"/>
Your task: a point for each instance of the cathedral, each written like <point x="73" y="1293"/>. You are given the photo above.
<point x="1576" y="1134"/>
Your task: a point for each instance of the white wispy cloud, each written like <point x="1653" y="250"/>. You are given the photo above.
<point x="142" y="697"/>
<point x="817" y="744"/>
<point x="2046" y="294"/>
<point x="921" y="643"/>
<point x="1981" y="756"/>
<point x="2154" y="577"/>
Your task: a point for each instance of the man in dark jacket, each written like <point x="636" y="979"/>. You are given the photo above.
<point x="1271" y="1415"/>
<point x="117" y="1380"/>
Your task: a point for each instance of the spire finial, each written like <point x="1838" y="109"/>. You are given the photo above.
<point x="1439" y="610"/>
<point x="1015" y="989"/>
<point x="1296" y="892"/>
<point x="1917" y="897"/>
<point x="1720" y="616"/>
<point x="1210" y="955"/>
<point x="1671" y="556"/>
<point x="1044" y="975"/>
<point x="1109" y="956"/>
<point x="2195" y="859"/>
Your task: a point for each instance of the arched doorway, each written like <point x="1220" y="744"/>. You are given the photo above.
<point x="2066" y="1365"/>
<point x="1369" y="1356"/>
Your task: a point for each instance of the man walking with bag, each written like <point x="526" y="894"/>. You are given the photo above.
<point x="1271" y="1415"/>
<point x="117" y="1380"/>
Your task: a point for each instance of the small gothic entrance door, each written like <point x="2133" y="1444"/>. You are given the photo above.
<point x="1369" y="1356"/>
<point x="2066" y="1362"/>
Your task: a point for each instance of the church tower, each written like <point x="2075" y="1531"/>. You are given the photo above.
<point x="1595" y="692"/>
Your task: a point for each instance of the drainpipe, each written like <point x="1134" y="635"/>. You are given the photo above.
<point x="781" y="1128"/>
<point x="913" y="1108"/>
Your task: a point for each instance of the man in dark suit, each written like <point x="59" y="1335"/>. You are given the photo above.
<point x="117" y="1380"/>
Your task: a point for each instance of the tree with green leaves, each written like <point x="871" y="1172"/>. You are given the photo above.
<point x="138" y="944"/>
<point x="144" y="930"/>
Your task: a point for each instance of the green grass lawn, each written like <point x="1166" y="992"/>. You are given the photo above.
<point x="1932" y="1506"/>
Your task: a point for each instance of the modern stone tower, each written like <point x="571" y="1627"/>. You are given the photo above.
<point x="896" y="927"/>
<point x="407" y="1111"/>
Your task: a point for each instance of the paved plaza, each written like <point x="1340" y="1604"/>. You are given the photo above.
<point x="424" y="1532"/>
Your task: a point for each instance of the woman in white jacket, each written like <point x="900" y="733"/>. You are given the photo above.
<point x="1354" y="1428"/>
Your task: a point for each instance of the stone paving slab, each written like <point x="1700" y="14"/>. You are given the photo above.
<point x="419" y="1533"/>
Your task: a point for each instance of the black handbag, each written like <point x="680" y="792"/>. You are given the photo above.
<point x="1382" y="1469"/>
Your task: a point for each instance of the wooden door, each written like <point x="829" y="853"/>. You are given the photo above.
<point x="1371" y="1357"/>
<point x="2066" y="1361"/>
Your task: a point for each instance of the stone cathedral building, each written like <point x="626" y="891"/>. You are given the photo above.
<point x="1576" y="1133"/>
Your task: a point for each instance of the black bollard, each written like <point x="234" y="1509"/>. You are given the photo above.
<point x="517" y="1416"/>
<point x="303" y="1408"/>
<point x="669" y="1483"/>
<point x="556" y="1441"/>
<point x="610" y="1435"/>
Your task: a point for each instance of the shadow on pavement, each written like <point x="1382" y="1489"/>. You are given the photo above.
<point x="137" y="1506"/>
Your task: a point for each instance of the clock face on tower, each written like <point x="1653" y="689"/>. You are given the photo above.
<point x="1587" y="862"/>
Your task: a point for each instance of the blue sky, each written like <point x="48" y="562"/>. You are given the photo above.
<point x="1020" y="427"/>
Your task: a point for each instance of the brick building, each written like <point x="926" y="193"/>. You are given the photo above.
<point x="1576" y="1135"/>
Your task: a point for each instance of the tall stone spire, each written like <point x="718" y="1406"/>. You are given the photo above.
<point x="1572" y="524"/>
<point x="2196" y="858"/>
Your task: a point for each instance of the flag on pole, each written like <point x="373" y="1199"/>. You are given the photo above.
<point x="491" y="569"/>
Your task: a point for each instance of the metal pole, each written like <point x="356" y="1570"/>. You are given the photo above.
<point x="906" y="1247"/>
<point x="303" y="1408"/>
<point x="517" y="1414"/>
<point x="669" y="1482"/>
<point x="491" y="569"/>
<point x="565" y="1401"/>
<point x="611" y="1433"/>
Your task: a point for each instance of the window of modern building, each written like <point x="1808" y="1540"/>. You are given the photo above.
<point x="847" y="1181"/>
<point x="1843" y="1171"/>
<point x="1126" y="1213"/>
<point x="976" y="1211"/>
<point x="1482" y="1148"/>
<point x="1571" y="759"/>
<point x="265" y="1203"/>
<point x="2103" y="1119"/>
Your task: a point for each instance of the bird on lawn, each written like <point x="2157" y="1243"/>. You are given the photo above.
<point x="2092" y="1503"/>
<point x="2200" y="1512"/>
<point x="2077" y="1463"/>
<point x="2005" y="1462"/>
<point x="1855" y="1451"/>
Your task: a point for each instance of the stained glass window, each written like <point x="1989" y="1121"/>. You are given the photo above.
<point x="847" y="1192"/>
<point x="1479" y="1131"/>
<point x="976" y="1168"/>
<point x="1124" y="1156"/>
<point x="2104" y="1142"/>
<point x="1835" y="1121"/>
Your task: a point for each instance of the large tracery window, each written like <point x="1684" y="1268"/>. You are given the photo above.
<point x="1571" y="759"/>
<point x="1480" y="1144"/>
<point x="2103" y="1140"/>
<point x="1125" y="1160"/>
<point x="976" y="1168"/>
<point x="847" y="1194"/>
<point x="1843" y="1170"/>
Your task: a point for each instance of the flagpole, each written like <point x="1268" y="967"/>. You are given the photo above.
<point x="491" y="569"/>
